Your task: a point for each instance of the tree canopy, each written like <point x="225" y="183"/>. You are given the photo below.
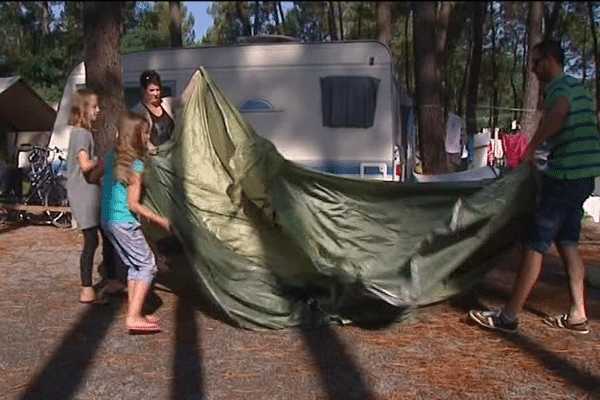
<point x="41" y="41"/>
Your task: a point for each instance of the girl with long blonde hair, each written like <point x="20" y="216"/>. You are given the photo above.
<point x="121" y="211"/>
<point x="84" y="197"/>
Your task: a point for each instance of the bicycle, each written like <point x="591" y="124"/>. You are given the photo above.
<point x="47" y="188"/>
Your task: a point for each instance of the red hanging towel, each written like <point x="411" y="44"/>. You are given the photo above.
<point x="515" y="148"/>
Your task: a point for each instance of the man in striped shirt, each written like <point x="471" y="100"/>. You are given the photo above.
<point x="569" y="130"/>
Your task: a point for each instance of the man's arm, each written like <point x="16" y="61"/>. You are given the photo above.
<point x="549" y="125"/>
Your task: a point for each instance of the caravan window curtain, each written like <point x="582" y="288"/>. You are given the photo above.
<point x="349" y="101"/>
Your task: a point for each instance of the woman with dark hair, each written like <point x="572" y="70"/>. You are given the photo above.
<point x="158" y="110"/>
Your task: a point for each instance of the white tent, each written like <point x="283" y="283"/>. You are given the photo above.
<point x="24" y="115"/>
<point x="22" y="109"/>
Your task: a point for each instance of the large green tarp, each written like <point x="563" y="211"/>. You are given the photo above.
<point x="273" y="244"/>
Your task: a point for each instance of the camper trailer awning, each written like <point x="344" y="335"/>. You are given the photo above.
<point x="21" y="109"/>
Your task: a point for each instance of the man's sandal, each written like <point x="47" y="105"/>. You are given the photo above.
<point x="562" y="322"/>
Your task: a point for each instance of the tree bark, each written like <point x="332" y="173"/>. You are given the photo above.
<point x="175" y="24"/>
<point x="531" y="114"/>
<point x="495" y="96"/>
<point x="384" y="22"/>
<point x="45" y="18"/>
<point x="331" y="21"/>
<point x="242" y="15"/>
<point x="551" y="20"/>
<point x="407" y="50"/>
<point x="474" y="71"/>
<point x="280" y="7"/>
<point x="596" y="55"/>
<point x="273" y="6"/>
<point x="584" y="59"/>
<point x="341" y="16"/>
<point x="256" y="18"/>
<point x="428" y="85"/>
<point x="441" y="38"/>
<point x="513" y="85"/>
<point x="460" y="101"/>
<point x="360" y="9"/>
<point x="102" y="28"/>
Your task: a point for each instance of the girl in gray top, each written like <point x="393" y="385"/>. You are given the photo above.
<point x="85" y="197"/>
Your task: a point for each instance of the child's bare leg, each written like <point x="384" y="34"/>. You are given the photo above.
<point x="130" y="289"/>
<point x="137" y="291"/>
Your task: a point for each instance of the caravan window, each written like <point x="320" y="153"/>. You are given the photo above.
<point x="256" y="105"/>
<point x="349" y="101"/>
<point x="133" y="93"/>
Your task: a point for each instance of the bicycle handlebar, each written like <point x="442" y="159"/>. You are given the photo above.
<point x="30" y="147"/>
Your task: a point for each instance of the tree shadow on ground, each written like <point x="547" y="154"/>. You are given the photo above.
<point x="64" y="372"/>
<point x="6" y="228"/>
<point x="339" y="371"/>
<point x="175" y="275"/>
<point x="555" y="364"/>
<point x="187" y="362"/>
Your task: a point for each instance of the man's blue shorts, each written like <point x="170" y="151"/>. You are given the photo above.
<point x="558" y="216"/>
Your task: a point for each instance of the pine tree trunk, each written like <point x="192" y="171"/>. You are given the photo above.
<point x="360" y="9"/>
<point x="45" y="19"/>
<point x="495" y="95"/>
<point x="175" y="24"/>
<point x="551" y="20"/>
<point x="244" y="18"/>
<point x="513" y="85"/>
<point x="474" y="71"/>
<point x="273" y="10"/>
<point x="331" y="21"/>
<point x="102" y="28"/>
<point x="531" y="114"/>
<point x="384" y="22"/>
<point x="256" y="18"/>
<point x="596" y="55"/>
<point x="584" y="59"/>
<point x="443" y="21"/>
<point x="428" y="85"/>
<point x="460" y="97"/>
<point x="279" y="6"/>
<point x="341" y="17"/>
<point x="407" y="50"/>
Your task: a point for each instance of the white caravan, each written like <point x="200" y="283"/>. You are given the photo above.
<point x="335" y="107"/>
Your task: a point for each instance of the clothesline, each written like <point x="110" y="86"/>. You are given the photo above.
<point x="507" y="108"/>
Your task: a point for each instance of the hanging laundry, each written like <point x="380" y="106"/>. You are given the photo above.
<point x="515" y="148"/>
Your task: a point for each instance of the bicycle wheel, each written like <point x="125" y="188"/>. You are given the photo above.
<point x="57" y="196"/>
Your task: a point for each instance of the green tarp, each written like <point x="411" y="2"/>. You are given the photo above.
<point x="273" y="244"/>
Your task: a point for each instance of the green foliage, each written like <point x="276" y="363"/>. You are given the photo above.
<point x="306" y="21"/>
<point x="235" y="19"/>
<point x="226" y="26"/>
<point x="362" y="20"/>
<point x="44" y="57"/>
<point x="41" y="56"/>
<point x="149" y="27"/>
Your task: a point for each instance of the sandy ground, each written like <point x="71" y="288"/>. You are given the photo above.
<point x="55" y="348"/>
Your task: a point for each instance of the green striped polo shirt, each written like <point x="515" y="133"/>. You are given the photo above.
<point x="575" y="150"/>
